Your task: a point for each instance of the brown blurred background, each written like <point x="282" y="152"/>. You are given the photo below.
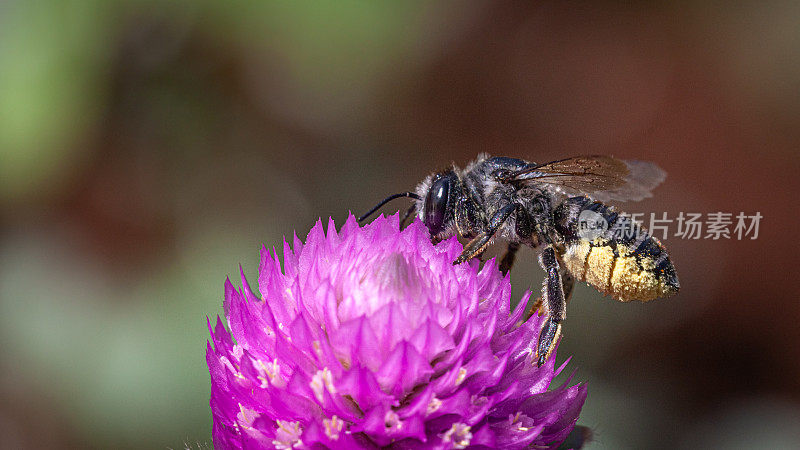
<point x="147" y="149"/>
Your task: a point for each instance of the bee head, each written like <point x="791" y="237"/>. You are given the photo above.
<point x="439" y="194"/>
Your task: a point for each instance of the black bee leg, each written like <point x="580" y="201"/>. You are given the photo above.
<point x="568" y="282"/>
<point x="554" y="301"/>
<point x="508" y="259"/>
<point x="477" y="245"/>
<point x="408" y="215"/>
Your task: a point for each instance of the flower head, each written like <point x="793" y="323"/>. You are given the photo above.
<point x="372" y="337"/>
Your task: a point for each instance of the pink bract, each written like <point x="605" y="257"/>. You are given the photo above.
<point x="371" y="337"/>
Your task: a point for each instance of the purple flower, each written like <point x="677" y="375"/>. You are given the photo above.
<point x="372" y="337"/>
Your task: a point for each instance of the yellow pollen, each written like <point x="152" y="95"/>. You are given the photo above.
<point x="459" y="434"/>
<point x="288" y="435"/>
<point x="433" y="405"/>
<point x="321" y="381"/>
<point x="273" y="372"/>
<point x="333" y="427"/>
<point x="392" y="421"/>
<point x="246" y="417"/>
<point x="462" y="374"/>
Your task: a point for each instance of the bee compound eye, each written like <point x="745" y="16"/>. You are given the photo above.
<point x="436" y="205"/>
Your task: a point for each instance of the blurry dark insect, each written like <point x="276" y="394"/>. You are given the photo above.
<point x="556" y="208"/>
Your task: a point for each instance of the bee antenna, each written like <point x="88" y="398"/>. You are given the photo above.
<point x="387" y="200"/>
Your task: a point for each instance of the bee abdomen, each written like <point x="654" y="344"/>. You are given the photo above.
<point x="617" y="257"/>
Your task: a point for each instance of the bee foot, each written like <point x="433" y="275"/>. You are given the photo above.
<point x="548" y="338"/>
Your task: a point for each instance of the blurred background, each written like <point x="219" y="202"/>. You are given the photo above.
<point x="149" y="148"/>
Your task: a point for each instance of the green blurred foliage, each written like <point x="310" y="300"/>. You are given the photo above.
<point x="51" y="87"/>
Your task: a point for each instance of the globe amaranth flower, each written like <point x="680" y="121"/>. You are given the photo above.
<point x="371" y="337"/>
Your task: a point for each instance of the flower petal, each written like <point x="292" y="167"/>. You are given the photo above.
<point x="371" y="337"/>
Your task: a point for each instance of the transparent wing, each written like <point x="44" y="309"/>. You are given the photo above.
<point x="642" y="178"/>
<point x="601" y="177"/>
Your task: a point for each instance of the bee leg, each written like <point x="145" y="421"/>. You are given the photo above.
<point x="508" y="259"/>
<point x="568" y="282"/>
<point x="553" y="298"/>
<point x="409" y="214"/>
<point x="477" y="245"/>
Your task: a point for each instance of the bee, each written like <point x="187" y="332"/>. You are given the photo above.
<point x="558" y="209"/>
